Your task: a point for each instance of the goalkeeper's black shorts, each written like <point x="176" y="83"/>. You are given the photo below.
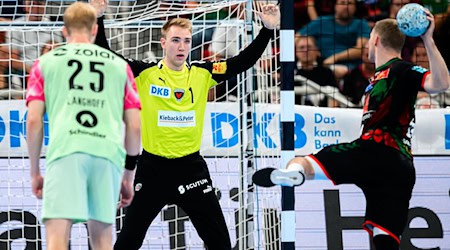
<point x="183" y="181"/>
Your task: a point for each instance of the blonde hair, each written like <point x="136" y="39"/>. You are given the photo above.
<point x="80" y="16"/>
<point x="180" y="22"/>
<point x="390" y="35"/>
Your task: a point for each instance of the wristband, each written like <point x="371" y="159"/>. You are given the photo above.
<point x="130" y="162"/>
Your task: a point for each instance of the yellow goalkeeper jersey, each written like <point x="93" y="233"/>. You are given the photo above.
<point x="173" y="108"/>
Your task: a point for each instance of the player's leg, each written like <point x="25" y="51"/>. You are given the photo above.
<point x="62" y="203"/>
<point x="57" y="233"/>
<point x="139" y="215"/>
<point x="150" y="197"/>
<point x="298" y="169"/>
<point x="385" y="242"/>
<point x="200" y="202"/>
<point x="382" y="238"/>
<point x="100" y="235"/>
<point x="338" y="163"/>
<point x="269" y="177"/>
<point x="388" y="190"/>
<point x="104" y="181"/>
<point x="205" y="213"/>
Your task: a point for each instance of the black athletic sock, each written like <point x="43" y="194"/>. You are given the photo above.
<point x="385" y="242"/>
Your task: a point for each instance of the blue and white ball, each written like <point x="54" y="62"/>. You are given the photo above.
<point x="412" y="20"/>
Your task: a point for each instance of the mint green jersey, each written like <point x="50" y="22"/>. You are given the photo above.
<point x="86" y="89"/>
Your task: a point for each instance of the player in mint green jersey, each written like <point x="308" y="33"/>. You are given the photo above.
<point x="88" y="94"/>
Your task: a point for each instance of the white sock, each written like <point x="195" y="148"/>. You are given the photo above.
<point x="376" y="231"/>
<point x="295" y="167"/>
<point x="318" y="172"/>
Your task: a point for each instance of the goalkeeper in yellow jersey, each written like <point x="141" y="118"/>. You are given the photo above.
<point x="173" y="95"/>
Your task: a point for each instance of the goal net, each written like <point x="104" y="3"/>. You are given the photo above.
<point x="241" y="129"/>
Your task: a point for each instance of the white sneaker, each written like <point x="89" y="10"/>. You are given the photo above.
<point x="268" y="177"/>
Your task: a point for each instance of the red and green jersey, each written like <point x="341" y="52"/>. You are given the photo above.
<point x="389" y="106"/>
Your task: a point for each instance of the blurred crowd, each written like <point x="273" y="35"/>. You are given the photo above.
<point x="330" y="47"/>
<point x="20" y="48"/>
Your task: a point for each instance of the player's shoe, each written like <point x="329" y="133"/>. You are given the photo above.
<point x="268" y="177"/>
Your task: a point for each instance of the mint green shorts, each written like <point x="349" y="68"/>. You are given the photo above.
<point x="81" y="187"/>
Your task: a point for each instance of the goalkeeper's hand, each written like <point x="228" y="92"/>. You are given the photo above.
<point x="270" y="16"/>
<point x="100" y="6"/>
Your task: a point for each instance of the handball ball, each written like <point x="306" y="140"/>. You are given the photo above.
<point x="412" y="20"/>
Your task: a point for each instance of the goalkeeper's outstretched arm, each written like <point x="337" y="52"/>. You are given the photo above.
<point x="100" y="40"/>
<point x="252" y="53"/>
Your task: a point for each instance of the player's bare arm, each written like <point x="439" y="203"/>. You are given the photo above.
<point x="35" y="135"/>
<point x="132" y="146"/>
<point x="439" y="79"/>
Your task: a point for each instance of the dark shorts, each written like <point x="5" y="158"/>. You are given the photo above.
<point x="185" y="182"/>
<point x="385" y="176"/>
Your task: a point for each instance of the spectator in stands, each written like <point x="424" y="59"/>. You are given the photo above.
<point x="307" y="54"/>
<point x="340" y="38"/>
<point x="374" y="9"/>
<point x="395" y="6"/>
<point x="10" y="9"/>
<point x="27" y="45"/>
<point x="442" y="38"/>
<point x="308" y="10"/>
<point x="439" y="8"/>
<point x="355" y="82"/>
<point x="419" y="56"/>
<point x="49" y="45"/>
<point x="320" y="8"/>
<point x="8" y="62"/>
<point x="4" y="59"/>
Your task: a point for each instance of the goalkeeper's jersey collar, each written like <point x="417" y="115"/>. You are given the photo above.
<point x="161" y="65"/>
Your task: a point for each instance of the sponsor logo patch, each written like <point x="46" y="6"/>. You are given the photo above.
<point x="183" y="188"/>
<point x="159" y="91"/>
<point x="219" y="68"/>
<point x="207" y="189"/>
<point x="179" y="93"/>
<point x="380" y="75"/>
<point x="176" y="119"/>
<point x="419" y="69"/>
<point x="138" y="187"/>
